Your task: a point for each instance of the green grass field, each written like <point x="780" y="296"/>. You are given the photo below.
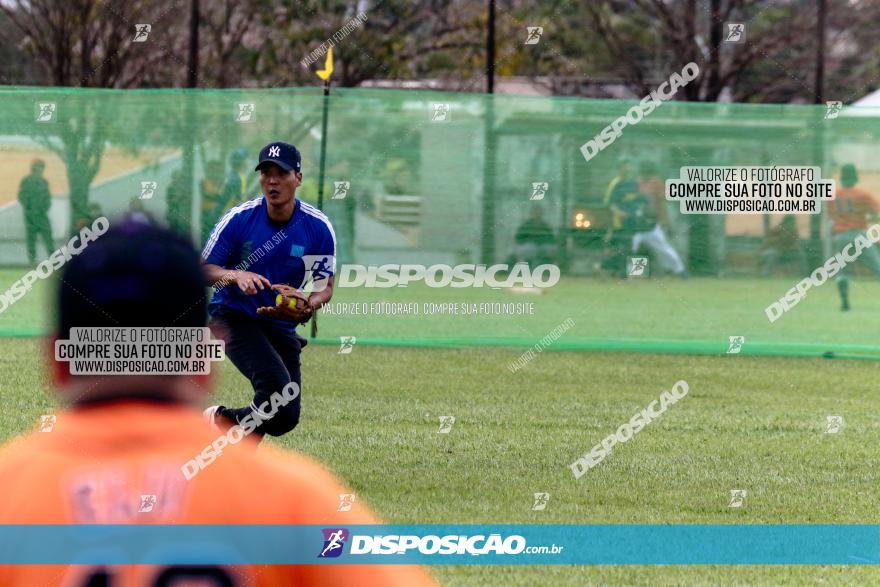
<point x="651" y="311"/>
<point x="754" y="423"/>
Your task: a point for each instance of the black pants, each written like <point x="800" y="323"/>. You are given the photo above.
<point x="37" y="225"/>
<point x="269" y="358"/>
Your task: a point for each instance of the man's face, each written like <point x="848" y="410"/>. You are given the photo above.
<point x="279" y="186"/>
<point x="37" y="170"/>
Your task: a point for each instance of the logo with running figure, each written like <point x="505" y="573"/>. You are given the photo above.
<point x="47" y="422"/>
<point x="832" y="109"/>
<point x="446" y="424"/>
<point x="45" y="111"/>
<point x="247" y="112"/>
<point x="736" y="32"/>
<point x="346" y="344"/>
<point x="541" y="499"/>
<point x="833" y="424"/>
<point x="736" y="344"/>
<point x="346" y="501"/>
<point x="534" y="34"/>
<point x="539" y="190"/>
<point x="334" y="541"/>
<point x="340" y="189"/>
<point x="141" y="32"/>
<point x="737" y="498"/>
<point x="636" y="266"/>
<point x="148" y="189"/>
<point x="318" y="270"/>
<point x="440" y="113"/>
<point x="147" y="503"/>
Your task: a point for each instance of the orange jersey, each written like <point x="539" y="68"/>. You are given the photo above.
<point x="849" y="209"/>
<point x="98" y="462"/>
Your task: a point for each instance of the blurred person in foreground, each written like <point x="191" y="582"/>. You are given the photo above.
<point x="122" y="437"/>
<point x="35" y="200"/>
<point x="849" y="212"/>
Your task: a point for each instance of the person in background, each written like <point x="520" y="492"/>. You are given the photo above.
<point x="35" y="200"/>
<point x="535" y="241"/>
<point x="651" y="221"/>
<point x="651" y="185"/>
<point x="210" y="187"/>
<point x="175" y="200"/>
<point x="235" y="183"/>
<point x="618" y="240"/>
<point x="850" y="211"/>
<point x="137" y="212"/>
<point x="635" y="225"/>
<point x="782" y="245"/>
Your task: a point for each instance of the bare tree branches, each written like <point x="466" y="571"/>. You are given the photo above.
<point x="693" y="31"/>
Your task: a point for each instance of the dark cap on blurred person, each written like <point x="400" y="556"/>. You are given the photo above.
<point x="135" y="274"/>
<point x="848" y="175"/>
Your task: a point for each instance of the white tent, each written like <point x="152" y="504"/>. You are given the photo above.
<point x="868" y="105"/>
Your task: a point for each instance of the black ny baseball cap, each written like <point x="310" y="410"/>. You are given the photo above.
<point x="284" y="155"/>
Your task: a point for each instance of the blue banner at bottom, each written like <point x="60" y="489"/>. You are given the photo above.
<point x="688" y="544"/>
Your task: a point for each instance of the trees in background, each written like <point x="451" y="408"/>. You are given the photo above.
<point x="84" y="43"/>
<point x="261" y="43"/>
<point x="584" y="48"/>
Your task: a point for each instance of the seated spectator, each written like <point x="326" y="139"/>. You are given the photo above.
<point x="535" y="242"/>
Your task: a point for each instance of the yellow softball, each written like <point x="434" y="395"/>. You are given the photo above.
<point x="291" y="304"/>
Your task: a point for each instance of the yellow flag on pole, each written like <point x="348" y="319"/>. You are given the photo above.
<point x="325" y="73"/>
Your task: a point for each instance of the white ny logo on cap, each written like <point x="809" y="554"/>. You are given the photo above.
<point x="275" y="151"/>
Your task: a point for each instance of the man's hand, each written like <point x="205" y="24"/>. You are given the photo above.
<point x="291" y="304"/>
<point x="250" y="283"/>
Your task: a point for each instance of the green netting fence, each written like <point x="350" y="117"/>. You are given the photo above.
<point x="428" y="178"/>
